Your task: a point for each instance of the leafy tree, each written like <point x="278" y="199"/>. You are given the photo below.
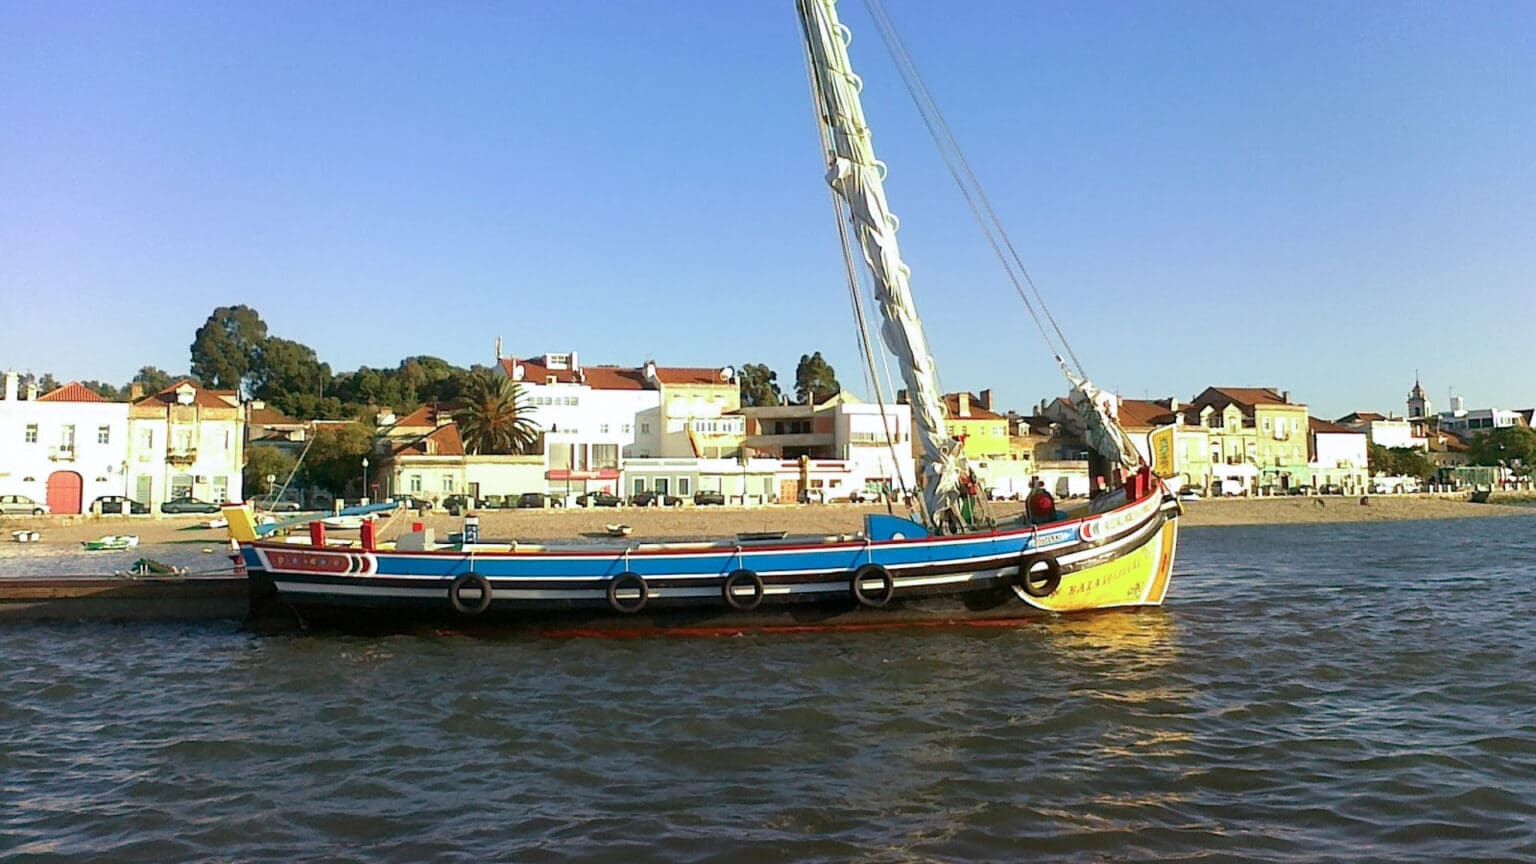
<point x="105" y="391"/>
<point x="45" y="384"/>
<point x="1512" y="446"/>
<point x="154" y="379"/>
<point x="815" y="379"/>
<point x="228" y="347"/>
<point x="759" y="385"/>
<point x="262" y="461"/>
<point x="1398" y="461"/>
<point x="290" y="377"/>
<point x="496" y="416"/>
<point x="335" y="459"/>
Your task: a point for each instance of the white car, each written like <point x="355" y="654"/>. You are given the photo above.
<point x="21" y="505"/>
<point x="864" y="496"/>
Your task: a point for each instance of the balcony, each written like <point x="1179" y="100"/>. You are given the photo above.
<point x="181" y="457"/>
<point x="62" y="454"/>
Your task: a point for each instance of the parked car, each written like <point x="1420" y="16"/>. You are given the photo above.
<point x="863" y="496"/>
<point x="649" y="497"/>
<point x="113" y="505"/>
<point x="599" y="499"/>
<point x="1002" y="493"/>
<point x="490" y="502"/>
<point x="411" y="502"/>
<point x="21" y="505"/>
<point x="534" y="500"/>
<point x="456" y="504"/>
<point x="283" y="506"/>
<point x="812" y="496"/>
<point x="709" y="496"/>
<point x="188" y="505"/>
<point x="1189" y="495"/>
<point x="1330" y="489"/>
<point x="1303" y="489"/>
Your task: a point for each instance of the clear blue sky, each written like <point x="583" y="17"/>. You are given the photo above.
<point x="1321" y="197"/>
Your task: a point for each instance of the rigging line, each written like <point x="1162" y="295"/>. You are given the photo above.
<point x="945" y="140"/>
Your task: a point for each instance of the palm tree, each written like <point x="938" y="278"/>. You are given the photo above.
<point x="495" y="417"/>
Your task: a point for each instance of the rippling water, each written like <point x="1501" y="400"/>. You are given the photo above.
<point x="1344" y="693"/>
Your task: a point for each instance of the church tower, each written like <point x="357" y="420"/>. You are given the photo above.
<point x="1418" y="403"/>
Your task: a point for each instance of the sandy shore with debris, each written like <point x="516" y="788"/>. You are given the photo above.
<point x="804" y="519"/>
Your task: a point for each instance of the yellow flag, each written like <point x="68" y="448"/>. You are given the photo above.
<point x="1161" y="445"/>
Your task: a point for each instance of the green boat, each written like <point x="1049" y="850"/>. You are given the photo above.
<point x="111" y="542"/>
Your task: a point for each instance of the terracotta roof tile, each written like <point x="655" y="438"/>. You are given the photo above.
<point x="1140" y="413"/>
<point x="952" y="409"/>
<point x="74" y="391"/>
<point x="445" y="439"/>
<point x="201" y="396"/>
<point x="271" y="417"/>
<point x="1323" y="426"/>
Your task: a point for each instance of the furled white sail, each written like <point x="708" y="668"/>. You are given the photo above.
<point x="1101" y="425"/>
<point x="857" y="177"/>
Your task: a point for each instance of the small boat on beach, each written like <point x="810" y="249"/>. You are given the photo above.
<point x="946" y="558"/>
<point x="25" y="535"/>
<point x="111" y="543"/>
<point x="150" y="567"/>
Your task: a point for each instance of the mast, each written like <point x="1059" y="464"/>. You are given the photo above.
<point x="857" y="177"/>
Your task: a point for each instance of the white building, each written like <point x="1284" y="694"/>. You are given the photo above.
<point x="1384" y="431"/>
<point x="1464" y="423"/>
<point x="1338" y="457"/>
<point x="66" y="447"/>
<point x="186" y="442"/>
<point x="877" y="440"/>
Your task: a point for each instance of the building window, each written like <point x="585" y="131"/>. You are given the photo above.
<point x="602" y="428"/>
<point x="149" y="439"/>
<point x="447" y="482"/>
<point x="645" y="428"/>
<point x="220" y="491"/>
<point x="639" y="484"/>
<point x="103" y="434"/>
<point x="605" y="455"/>
<point x="626" y="428"/>
<point x="181" y="486"/>
<point x="685" y="486"/>
<point x="415" y="483"/>
<point x="31" y="433"/>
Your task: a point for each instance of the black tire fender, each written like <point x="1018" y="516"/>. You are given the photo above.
<point x="469" y="580"/>
<point x="628" y="580"/>
<point x="737" y="579"/>
<point x="1032" y="580"/>
<point x="867" y="572"/>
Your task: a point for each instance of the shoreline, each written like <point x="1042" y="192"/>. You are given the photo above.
<point x="698" y="522"/>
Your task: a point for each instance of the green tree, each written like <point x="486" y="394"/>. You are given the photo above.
<point x="495" y="417"/>
<point x="759" y="385"/>
<point x="335" y="459"/>
<point x="1511" y="446"/>
<point x="815" y="379"/>
<point x="1408" y="462"/>
<point x="290" y="377"/>
<point x="105" y="391"/>
<point x="228" y="347"/>
<point x="153" y="379"/>
<point x="262" y="461"/>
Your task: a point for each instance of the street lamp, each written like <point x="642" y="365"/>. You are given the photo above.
<point x="365" y="478"/>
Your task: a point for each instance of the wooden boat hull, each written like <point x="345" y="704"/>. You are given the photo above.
<point x="1119" y="558"/>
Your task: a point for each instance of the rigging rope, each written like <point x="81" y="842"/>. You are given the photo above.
<point x="970" y="187"/>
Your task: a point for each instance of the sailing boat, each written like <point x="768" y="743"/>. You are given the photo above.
<point x="948" y="560"/>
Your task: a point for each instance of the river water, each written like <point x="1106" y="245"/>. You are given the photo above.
<point x="1310" y="693"/>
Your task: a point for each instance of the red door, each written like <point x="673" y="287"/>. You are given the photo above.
<point x="64" y="491"/>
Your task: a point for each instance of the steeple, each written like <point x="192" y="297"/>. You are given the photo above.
<point x="1418" y="403"/>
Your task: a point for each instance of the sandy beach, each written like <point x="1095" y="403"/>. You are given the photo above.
<point x="796" y="519"/>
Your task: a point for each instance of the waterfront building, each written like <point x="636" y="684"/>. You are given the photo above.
<point x="1337" y="457"/>
<point x="1385" y="431"/>
<point x="1258" y="437"/>
<point x="1465" y="423"/>
<point x="186" y="441"/>
<point x="64" y="448"/>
